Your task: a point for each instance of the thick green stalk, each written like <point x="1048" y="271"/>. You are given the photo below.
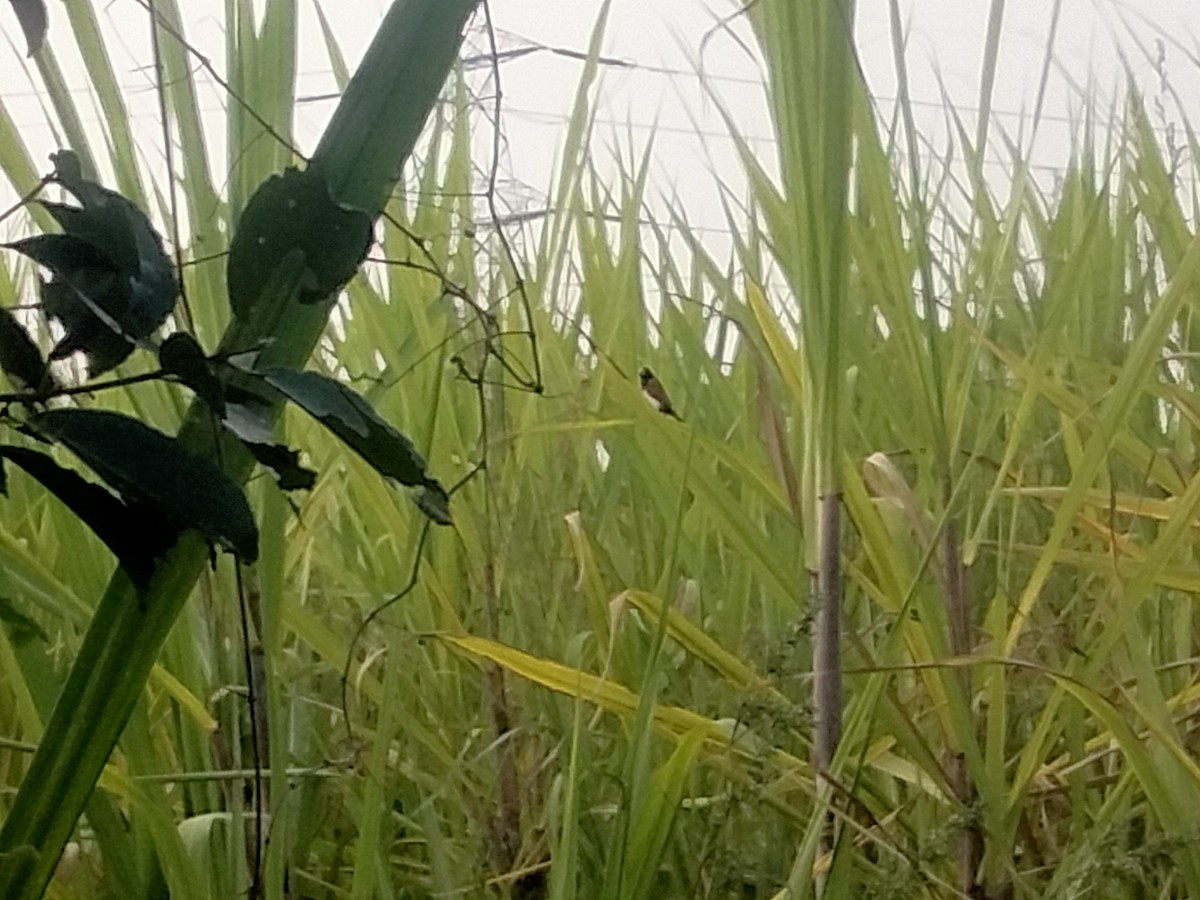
<point x="372" y="134"/>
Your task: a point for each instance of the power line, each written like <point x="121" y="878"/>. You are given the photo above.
<point x="530" y="48"/>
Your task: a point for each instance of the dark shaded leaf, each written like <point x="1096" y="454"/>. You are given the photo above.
<point x="285" y="463"/>
<point x="20" y="357"/>
<point x="86" y="325"/>
<point x="111" y="282"/>
<point x="86" y="294"/>
<point x="433" y="500"/>
<point x="21" y="629"/>
<point x="249" y="422"/>
<point x="182" y="356"/>
<point x="124" y="227"/>
<point x="136" y="536"/>
<point x="248" y="415"/>
<point x="31" y="16"/>
<point x="294" y="212"/>
<point x="115" y="244"/>
<point x="146" y="467"/>
<point x="62" y="252"/>
<point x="352" y="419"/>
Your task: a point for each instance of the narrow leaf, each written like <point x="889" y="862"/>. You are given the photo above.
<point x="21" y="629"/>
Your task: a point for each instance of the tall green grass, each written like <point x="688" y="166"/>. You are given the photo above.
<point x="1016" y="433"/>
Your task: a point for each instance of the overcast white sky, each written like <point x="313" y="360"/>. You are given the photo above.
<point x="661" y="39"/>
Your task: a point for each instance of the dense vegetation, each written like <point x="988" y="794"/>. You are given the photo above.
<point x="598" y="682"/>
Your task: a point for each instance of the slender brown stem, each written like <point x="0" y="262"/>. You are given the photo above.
<point x="958" y="615"/>
<point x="827" y="651"/>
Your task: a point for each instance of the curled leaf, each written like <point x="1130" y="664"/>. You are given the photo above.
<point x="433" y="500"/>
<point x="351" y="418"/>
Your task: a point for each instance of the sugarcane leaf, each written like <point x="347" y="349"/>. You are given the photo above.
<point x="147" y="467"/>
<point x="20" y="627"/>
<point x="277" y="222"/>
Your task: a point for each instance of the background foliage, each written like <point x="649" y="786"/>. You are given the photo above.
<point x="597" y="684"/>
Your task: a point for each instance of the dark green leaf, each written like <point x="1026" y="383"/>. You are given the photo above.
<point x="352" y="419"/>
<point x="31" y="16"/>
<point x="63" y="253"/>
<point x="433" y="500"/>
<point x="87" y="326"/>
<point x="278" y="220"/>
<point x="135" y="536"/>
<point x="146" y="467"/>
<point x="285" y="463"/>
<point x="152" y="280"/>
<point x="20" y="357"/>
<point x="115" y="243"/>
<point x="21" y="628"/>
<point x="114" y="224"/>
<point x="249" y="421"/>
<point x="86" y="294"/>
<point x="182" y="356"/>
<point x="112" y="284"/>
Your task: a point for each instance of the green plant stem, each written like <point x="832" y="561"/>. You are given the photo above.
<point x="372" y="133"/>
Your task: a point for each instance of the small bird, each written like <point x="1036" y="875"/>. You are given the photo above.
<point x="655" y="394"/>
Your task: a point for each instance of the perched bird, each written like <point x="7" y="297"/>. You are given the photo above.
<point x="655" y="394"/>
